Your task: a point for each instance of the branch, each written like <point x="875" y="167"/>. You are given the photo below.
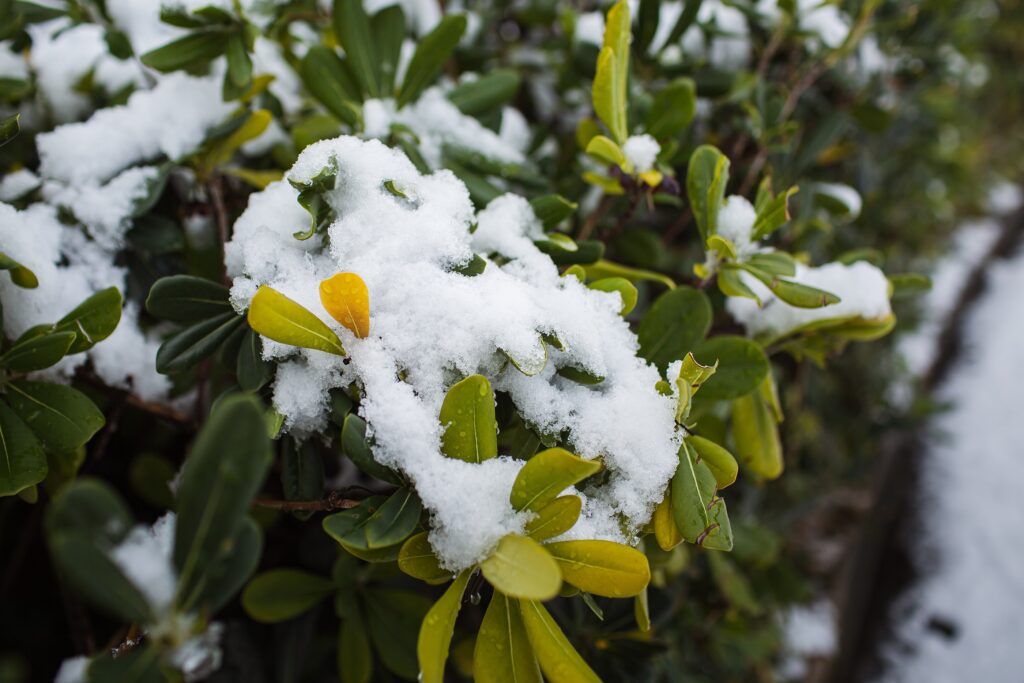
<point x="335" y="500"/>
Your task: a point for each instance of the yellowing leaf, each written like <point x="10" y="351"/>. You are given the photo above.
<point x="547" y="474"/>
<point x="720" y="461"/>
<point x="558" y="658"/>
<point x="652" y="178"/>
<point x="437" y="629"/>
<point x="555" y="518"/>
<point x="467" y="414"/>
<point x="277" y="317"/>
<point x="417" y="559"/>
<point x="665" y="530"/>
<point x="521" y="568"/>
<point x="755" y="431"/>
<point x="603" y="568"/>
<point x="346" y="298"/>
<point x="503" y="653"/>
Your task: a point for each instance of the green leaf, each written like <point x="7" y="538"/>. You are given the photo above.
<point x="672" y="110"/>
<point x="150" y="476"/>
<point x="579" y="376"/>
<point x="693" y="489"/>
<point x="9" y="128"/>
<point x="83" y="522"/>
<point x="558" y="659"/>
<point x="238" y="78"/>
<point x="62" y="418"/>
<point x="196" y="343"/>
<point x="302" y="473"/>
<point x="742" y="365"/>
<point x="252" y="370"/>
<point x="356" y="447"/>
<point x="36" y="353"/>
<point x="720" y="461"/>
<point x="546" y="475"/>
<point x="417" y="559"/>
<point x="388" y="27"/>
<point x="486" y="93"/>
<point x="772" y="215"/>
<point x="502" y="653"/>
<point x="692" y="376"/>
<point x="706" y="178"/>
<point x="327" y="78"/>
<point x="20" y="275"/>
<point x="187" y="299"/>
<point x="603" y="269"/>
<point x="139" y="665"/>
<point x="393" y="521"/>
<point x="431" y="53"/>
<point x="755" y="431"/>
<point x="277" y="317"/>
<point x="555" y="518"/>
<point x="187" y="52"/>
<point x="467" y="415"/>
<point x="552" y="209"/>
<point x="612" y="570"/>
<point x="627" y="292"/>
<point x="607" y="151"/>
<point x="283" y="594"/>
<point x="774" y="262"/>
<point x="679" y="319"/>
<point x="906" y="285"/>
<point x="720" y="535"/>
<point x="222" y="474"/>
<point x="521" y="568"/>
<point x="685" y="20"/>
<point x="611" y="79"/>
<point x="23" y="463"/>
<point x="365" y="530"/>
<point x="437" y="630"/>
<point x="93" y="320"/>
<point x="733" y="584"/>
<point x="793" y="293"/>
<point x="395" y="619"/>
<point x="730" y="283"/>
<point x="352" y="28"/>
<point x="355" y="660"/>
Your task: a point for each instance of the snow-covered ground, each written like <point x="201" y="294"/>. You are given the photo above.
<point x="963" y="620"/>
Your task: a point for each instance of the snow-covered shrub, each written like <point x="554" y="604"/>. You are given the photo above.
<point x="499" y="297"/>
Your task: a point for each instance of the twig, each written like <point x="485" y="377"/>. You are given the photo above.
<point x="220" y="214"/>
<point x="335" y="500"/>
<point x="588" y="227"/>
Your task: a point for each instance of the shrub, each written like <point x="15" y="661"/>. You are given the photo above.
<point x="465" y="320"/>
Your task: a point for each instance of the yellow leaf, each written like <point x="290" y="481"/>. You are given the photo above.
<point x="652" y="178"/>
<point x="437" y="629"/>
<point x="503" y="653"/>
<point x="558" y="658"/>
<point x="603" y="568"/>
<point x="547" y="474"/>
<point x="277" y="317"/>
<point x="346" y="298"/>
<point x="665" y="530"/>
<point x="555" y="518"/>
<point x="521" y="568"/>
<point x="417" y="559"/>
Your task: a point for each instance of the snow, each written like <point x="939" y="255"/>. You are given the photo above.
<point x="144" y="557"/>
<point x="73" y="670"/>
<point x="809" y="631"/>
<point x="971" y="506"/>
<point x="438" y="123"/>
<point x="70" y="267"/>
<point x="12" y="64"/>
<point x="736" y="223"/>
<point x="862" y="288"/>
<point x="823" y="20"/>
<point x="641" y="151"/>
<point x="845" y="195"/>
<point x="171" y="121"/>
<point x="17" y="184"/>
<point x="435" y="326"/>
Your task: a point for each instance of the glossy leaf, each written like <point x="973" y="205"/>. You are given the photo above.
<point x="627" y="292"/>
<point x="62" y="418"/>
<point x="93" y="320"/>
<point x="503" y="653"/>
<point x="417" y="559"/>
<point x="793" y="293"/>
<point x="187" y="299"/>
<point x="431" y="53"/>
<point x="437" y="630"/>
<point x="612" y="570"/>
<point x="23" y="462"/>
<point x="277" y="317"/>
<point x="742" y="365"/>
<point x="674" y="325"/>
<point x="555" y="518"/>
<point x="37" y="353"/>
<point x="706" y="178"/>
<point x="467" y="414"/>
<point x="347" y="299"/>
<point x="196" y="343"/>
<point x="521" y="568"/>
<point x="666" y="533"/>
<point x="558" y="659"/>
<point x="546" y="475"/>
<point x="282" y="594"/>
